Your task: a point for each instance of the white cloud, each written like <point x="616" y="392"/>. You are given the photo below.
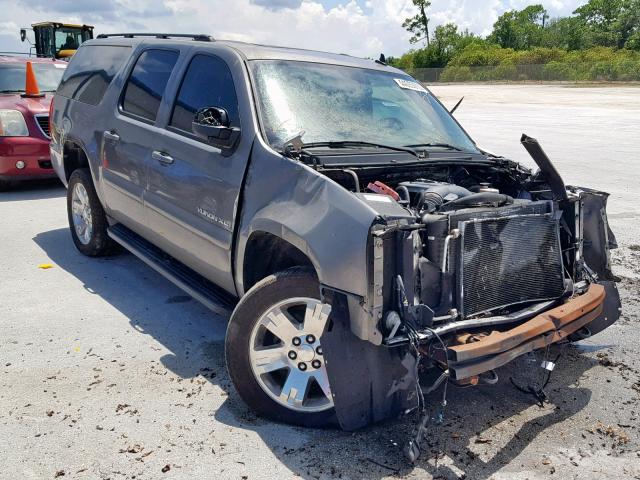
<point x="362" y="28"/>
<point x="8" y="28"/>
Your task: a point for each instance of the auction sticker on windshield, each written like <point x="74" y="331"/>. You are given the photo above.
<point x="409" y="85"/>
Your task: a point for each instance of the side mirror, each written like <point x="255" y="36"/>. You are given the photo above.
<point x="212" y="124"/>
<point x="23" y="34"/>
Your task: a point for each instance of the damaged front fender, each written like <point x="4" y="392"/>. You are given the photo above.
<point x="597" y="241"/>
<point x="369" y="383"/>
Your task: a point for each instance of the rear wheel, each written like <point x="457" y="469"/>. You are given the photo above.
<point x="87" y="220"/>
<point x="273" y="350"/>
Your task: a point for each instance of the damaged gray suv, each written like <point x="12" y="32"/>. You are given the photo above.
<point x="333" y="206"/>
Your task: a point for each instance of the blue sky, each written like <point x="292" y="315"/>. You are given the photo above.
<point x="357" y="27"/>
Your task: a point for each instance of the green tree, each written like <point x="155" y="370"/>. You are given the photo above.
<point x="446" y="42"/>
<point x="418" y="25"/>
<point x="568" y="33"/>
<point x="600" y="41"/>
<point x="610" y="23"/>
<point x="520" y="29"/>
<point x="634" y="42"/>
<point x="628" y="24"/>
<point x="602" y="13"/>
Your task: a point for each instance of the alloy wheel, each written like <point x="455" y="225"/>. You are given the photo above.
<point x="286" y="355"/>
<point x="81" y="213"/>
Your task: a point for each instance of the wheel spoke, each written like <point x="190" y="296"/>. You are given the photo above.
<point x="76" y="207"/>
<point x="323" y="381"/>
<point x="315" y="318"/>
<point x="269" y="359"/>
<point x="294" y="389"/>
<point x="82" y="193"/>
<point x="277" y="322"/>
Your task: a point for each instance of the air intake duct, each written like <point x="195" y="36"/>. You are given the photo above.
<point x="475" y="200"/>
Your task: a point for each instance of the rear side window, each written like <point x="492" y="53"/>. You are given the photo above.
<point x="148" y="80"/>
<point x="207" y="83"/>
<point x="90" y="72"/>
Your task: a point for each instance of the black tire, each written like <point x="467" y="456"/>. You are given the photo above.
<point x="4" y="185"/>
<point x="99" y="243"/>
<point x="295" y="282"/>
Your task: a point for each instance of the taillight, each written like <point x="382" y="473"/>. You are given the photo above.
<point x="51" y="118"/>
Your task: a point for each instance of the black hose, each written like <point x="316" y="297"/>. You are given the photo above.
<point x="482" y="199"/>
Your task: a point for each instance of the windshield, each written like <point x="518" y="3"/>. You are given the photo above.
<point x="48" y="75"/>
<point x="331" y="103"/>
<point x="69" y="38"/>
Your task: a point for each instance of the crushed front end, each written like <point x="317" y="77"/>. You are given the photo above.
<point x="471" y="265"/>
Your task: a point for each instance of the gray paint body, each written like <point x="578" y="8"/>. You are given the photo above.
<point x="160" y="202"/>
<point x="204" y="207"/>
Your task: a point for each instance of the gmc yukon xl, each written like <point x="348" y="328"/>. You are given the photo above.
<point x="336" y="210"/>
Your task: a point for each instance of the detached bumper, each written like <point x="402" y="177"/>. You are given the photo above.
<point x="34" y="152"/>
<point x="499" y="348"/>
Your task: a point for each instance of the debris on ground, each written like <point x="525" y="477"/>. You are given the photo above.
<point x="619" y="436"/>
<point x="132" y="449"/>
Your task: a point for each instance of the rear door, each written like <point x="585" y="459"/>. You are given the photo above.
<point x="193" y="186"/>
<point x="130" y="139"/>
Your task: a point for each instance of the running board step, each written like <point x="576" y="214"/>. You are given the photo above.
<point x="207" y="293"/>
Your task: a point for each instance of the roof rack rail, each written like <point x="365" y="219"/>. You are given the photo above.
<point x="194" y="36"/>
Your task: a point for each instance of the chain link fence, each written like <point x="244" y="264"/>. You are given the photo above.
<point x="624" y="71"/>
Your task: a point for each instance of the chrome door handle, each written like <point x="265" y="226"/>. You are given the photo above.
<point x="114" y="137"/>
<point x="162" y="157"/>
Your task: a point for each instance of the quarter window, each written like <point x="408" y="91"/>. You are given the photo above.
<point x="207" y="83"/>
<point x="90" y="72"/>
<point x="147" y="82"/>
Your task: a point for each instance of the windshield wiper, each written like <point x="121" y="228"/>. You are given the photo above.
<point x="440" y="145"/>
<point x="11" y="91"/>
<point x="356" y="143"/>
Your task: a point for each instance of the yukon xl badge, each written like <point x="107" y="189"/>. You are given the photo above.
<point x="226" y="224"/>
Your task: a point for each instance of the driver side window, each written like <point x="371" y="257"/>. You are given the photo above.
<point x="207" y="83"/>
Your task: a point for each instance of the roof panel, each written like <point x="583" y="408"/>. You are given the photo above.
<point x="253" y="51"/>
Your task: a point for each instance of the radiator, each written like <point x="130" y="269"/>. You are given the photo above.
<point x="508" y="261"/>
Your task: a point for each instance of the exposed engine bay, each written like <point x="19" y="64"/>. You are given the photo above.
<point x="482" y="238"/>
<point x="473" y="263"/>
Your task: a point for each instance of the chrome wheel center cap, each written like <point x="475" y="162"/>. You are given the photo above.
<point x="306" y="353"/>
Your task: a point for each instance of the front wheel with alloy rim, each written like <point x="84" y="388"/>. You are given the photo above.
<point x="87" y="220"/>
<point x="273" y="350"/>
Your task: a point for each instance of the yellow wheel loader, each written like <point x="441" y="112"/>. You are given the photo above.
<point x="58" y="40"/>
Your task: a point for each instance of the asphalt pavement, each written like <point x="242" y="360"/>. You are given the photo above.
<point x="109" y="371"/>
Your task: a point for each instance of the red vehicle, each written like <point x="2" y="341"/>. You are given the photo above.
<point x="24" y="117"/>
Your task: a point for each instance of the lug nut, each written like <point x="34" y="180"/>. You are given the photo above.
<point x="311" y="339"/>
<point x="296" y="341"/>
<point x="316" y="364"/>
<point x="302" y="366"/>
<point x="293" y="355"/>
<point x="319" y="350"/>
